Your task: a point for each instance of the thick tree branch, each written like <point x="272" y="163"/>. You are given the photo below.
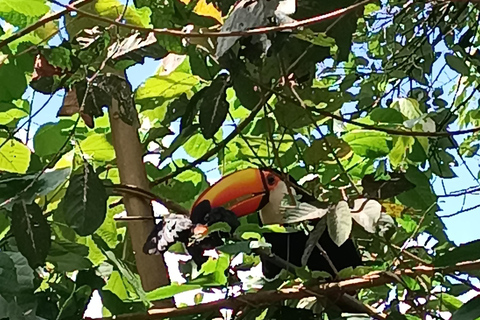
<point x="260" y="30"/>
<point x="373" y="279"/>
<point x="43" y="21"/>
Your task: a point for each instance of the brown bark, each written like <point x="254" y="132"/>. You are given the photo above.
<point x="129" y="153"/>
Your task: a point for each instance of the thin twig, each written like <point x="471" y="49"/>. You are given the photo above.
<point x="122" y="189"/>
<point x="43" y="21"/>
<point x="372" y="127"/>
<point x="260" y="30"/>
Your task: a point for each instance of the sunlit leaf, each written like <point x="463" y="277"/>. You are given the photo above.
<point x="14" y="156"/>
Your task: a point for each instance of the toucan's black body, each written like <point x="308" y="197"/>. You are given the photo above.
<point x="290" y="246"/>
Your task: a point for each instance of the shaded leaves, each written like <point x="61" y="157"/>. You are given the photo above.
<point x="31" y="231"/>
<point x="85" y="202"/>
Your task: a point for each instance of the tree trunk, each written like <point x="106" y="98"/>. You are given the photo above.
<point x="129" y="157"/>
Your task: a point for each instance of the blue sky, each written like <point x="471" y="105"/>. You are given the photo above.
<point x="460" y="228"/>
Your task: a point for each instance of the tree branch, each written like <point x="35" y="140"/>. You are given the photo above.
<point x="123" y="188"/>
<point x="260" y="30"/>
<point x="373" y="279"/>
<point x="43" y="21"/>
<point x="394" y="132"/>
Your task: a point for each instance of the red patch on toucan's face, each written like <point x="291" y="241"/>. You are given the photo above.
<point x="243" y="192"/>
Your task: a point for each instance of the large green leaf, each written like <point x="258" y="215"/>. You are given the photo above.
<point x="469" y="311"/>
<point x="368" y="143"/>
<point x="457" y="64"/>
<point x="420" y="197"/>
<point x="51" y="137"/>
<point x="22" y="12"/>
<point x="98" y="147"/>
<point x="321" y="150"/>
<point x="213" y="106"/>
<point x="158" y="91"/>
<point x="14" y="156"/>
<point x="291" y="115"/>
<point x="85" y="202"/>
<point x="31" y="231"/>
<point x="68" y="256"/>
<point x="10" y="113"/>
<point x="8" y="280"/>
<point x="465" y="252"/>
<point x="401" y="148"/>
<point x="13" y="82"/>
<point x="28" y="187"/>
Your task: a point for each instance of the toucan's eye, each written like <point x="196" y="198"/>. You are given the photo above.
<point x="271" y="179"/>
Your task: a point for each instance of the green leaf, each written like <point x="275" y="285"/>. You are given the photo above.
<point x="408" y="107"/>
<point x="25" y="274"/>
<point x="465" y="252"/>
<point x="339" y="223"/>
<point x="113" y="8"/>
<point x="158" y="91"/>
<point x="318" y="39"/>
<point x="201" y="63"/>
<point x="219" y="226"/>
<point x="458" y="64"/>
<point x="28" y="187"/>
<point x="235" y="248"/>
<point x="98" y="147"/>
<point x="171" y="290"/>
<point x="11" y="113"/>
<point x="14" y="156"/>
<point x="213" y="106"/>
<point x="85" y="202"/>
<point x="8" y="280"/>
<point x="22" y="12"/>
<point x="452" y="303"/>
<point x="368" y="143"/>
<point x="197" y="146"/>
<point x="291" y="115"/>
<point x="320" y="150"/>
<point x="68" y="256"/>
<point x="32" y="232"/>
<point x="13" y="82"/>
<point x="469" y="311"/>
<point x="441" y="163"/>
<point x="386" y="115"/>
<point x="132" y="278"/>
<point x="50" y="137"/>
<point x="420" y="197"/>
<point x="401" y="148"/>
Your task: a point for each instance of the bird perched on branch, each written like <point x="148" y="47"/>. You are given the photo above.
<point x="251" y="190"/>
<point x="193" y="231"/>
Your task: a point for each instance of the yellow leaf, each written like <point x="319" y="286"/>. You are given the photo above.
<point x="206" y="9"/>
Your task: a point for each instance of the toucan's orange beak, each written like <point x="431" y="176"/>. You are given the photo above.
<point x="243" y="192"/>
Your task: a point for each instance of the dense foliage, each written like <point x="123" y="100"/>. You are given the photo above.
<point x="362" y="93"/>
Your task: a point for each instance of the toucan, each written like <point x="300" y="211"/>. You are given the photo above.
<point x="192" y="231"/>
<point x="264" y="190"/>
<point x="250" y="190"/>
